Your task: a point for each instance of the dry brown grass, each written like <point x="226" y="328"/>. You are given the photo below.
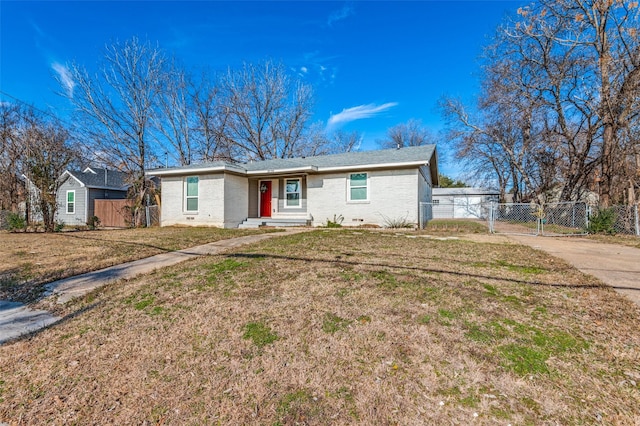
<point x="30" y="260"/>
<point x="622" y="239"/>
<point x="456" y="226"/>
<point x="338" y="327"/>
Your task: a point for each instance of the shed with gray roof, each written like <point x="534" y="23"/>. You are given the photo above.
<point x="80" y="188"/>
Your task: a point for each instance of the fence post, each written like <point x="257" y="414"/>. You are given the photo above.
<point x="147" y="217"/>
<point x="491" y="217"/>
<point x="636" y="220"/>
<point x="420" y="215"/>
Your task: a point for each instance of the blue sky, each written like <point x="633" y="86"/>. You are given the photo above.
<point x="372" y="64"/>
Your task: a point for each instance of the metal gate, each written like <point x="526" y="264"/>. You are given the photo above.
<point x="553" y="219"/>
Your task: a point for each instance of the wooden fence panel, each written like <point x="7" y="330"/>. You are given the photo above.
<point x="113" y="213"/>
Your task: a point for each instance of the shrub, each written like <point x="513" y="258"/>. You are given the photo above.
<point x="603" y="222"/>
<point x="16" y="222"/>
<point x="336" y="222"/>
<point x="397" y="222"/>
<point x="93" y="222"/>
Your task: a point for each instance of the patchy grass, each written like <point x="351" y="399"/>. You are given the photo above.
<point x="337" y="327"/>
<point x="455" y="226"/>
<point x="622" y="239"/>
<point x="260" y="334"/>
<point x="333" y="323"/>
<point x="30" y="260"/>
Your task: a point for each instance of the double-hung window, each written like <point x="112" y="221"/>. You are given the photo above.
<point x="358" y="187"/>
<point x="293" y="193"/>
<point x="191" y="194"/>
<point x="71" y="202"/>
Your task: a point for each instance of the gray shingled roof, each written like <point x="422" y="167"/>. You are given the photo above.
<point x="115" y="179"/>
<point x="385" y="156"/>
<point x="379" y="157"/>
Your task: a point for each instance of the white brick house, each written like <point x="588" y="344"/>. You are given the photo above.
<point x="365" y="188"/>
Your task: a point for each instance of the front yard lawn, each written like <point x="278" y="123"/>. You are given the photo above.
<point x="30" y="260"/>
<point x="338" y="327"/>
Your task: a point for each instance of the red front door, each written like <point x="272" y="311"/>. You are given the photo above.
<point x="265" y="198"/>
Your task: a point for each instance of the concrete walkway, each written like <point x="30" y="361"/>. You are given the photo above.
<point x="615" y="265"/>
<point x="17" y="319"/>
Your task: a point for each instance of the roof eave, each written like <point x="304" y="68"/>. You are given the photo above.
<point x="397" y="165"/>
<point x="67" y="172"/>
<point x="289" y="171"/>
<point x="190" y="171"/>
<point x="110" y="188"/>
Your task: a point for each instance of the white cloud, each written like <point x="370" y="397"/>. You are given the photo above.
<point x="65" y="78"/>
<point x="304" y="70"/>
<point x="340" y="14"/>
<point x="358" y="113"/>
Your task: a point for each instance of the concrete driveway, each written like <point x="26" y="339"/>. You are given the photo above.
<point x="615" y="265"/>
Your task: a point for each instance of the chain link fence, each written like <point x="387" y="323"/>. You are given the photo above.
<point x="554" y="219"/>
<point x="4" y="222"/>
<point x="626" y="220"/>
<point x="425" y="214"/>
<point x="152" y="216"/>
<point x="514" y="218"/>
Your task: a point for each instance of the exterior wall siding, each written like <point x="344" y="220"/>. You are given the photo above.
<point x="236" y="200"/>
<point x="210" y="201"/>
<point x="225" y="200"/>
<point x="283" y="211"/>
<point x="79" y="216"/>
<point x="253" y="198"/>
<point x="393" y="194"/>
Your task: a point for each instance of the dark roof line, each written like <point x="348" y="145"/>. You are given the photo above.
<point x="101" y="178"/>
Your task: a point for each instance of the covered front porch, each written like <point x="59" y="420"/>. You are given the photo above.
<point x="277" y="201"/>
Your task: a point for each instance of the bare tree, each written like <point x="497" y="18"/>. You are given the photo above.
<point x="559" y="99"/>
<point x="175" y="119"/>
<point x="343" y="141"/>
<point x="115" y="108"/>
<point x="48" y="154"/>
<point x="12" y="152"/>
<point x="266" y="111"/>
<point x="411" y="133"/>
<point x="597" y="101"/>
<point x="211" y="120"/>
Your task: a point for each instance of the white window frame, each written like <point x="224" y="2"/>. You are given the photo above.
<point x="299" y="192"/>
<point x="188" y="197"/>
<point x="73" y="211"/>
<point x="349" y="187"/>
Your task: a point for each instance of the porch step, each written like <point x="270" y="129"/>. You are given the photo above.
<point x="254" y="222"/>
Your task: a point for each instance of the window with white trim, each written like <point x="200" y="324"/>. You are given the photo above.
<point x="71" y="202"/>
<point x="358" y="187"/>
<point x="293" y="192"/>
<point x="191" y="194"/>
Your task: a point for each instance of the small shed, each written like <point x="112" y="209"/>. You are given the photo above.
<point x="80" y="189"/>
<point x="463" y="203"/>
